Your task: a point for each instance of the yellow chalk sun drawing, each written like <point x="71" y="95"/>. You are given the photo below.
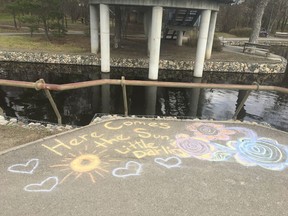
<point x="85" y="163"/>
<point x="90" y="164"/>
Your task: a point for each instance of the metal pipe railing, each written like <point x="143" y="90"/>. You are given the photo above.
<point x="41" y="85"/>
<point x="78" y="85"/>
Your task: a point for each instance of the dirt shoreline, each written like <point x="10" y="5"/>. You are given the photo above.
<point x="15" y="135"/>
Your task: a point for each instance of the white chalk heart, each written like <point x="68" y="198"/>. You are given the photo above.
<point x="27" y="168"/>
<point x="169" y="162"/>
<point x="131" y="168"/>
<point x="45" y="186"/>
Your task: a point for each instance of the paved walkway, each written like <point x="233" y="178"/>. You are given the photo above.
<point x="257" y="53"/>
<point x="149" y="167"/>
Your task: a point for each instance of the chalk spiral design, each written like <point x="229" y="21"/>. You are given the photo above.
<point x="195" y="147"/>
<point x="221" y="156"/>
<point x="207" y="130"/>
<point x="261" y="151"/>
<point x="210" y="131"/>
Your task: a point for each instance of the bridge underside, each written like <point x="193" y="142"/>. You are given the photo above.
<point x="182" y="15"/>
<point x="195" y="4"/>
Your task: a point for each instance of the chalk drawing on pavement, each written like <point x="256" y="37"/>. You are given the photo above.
<point x="131" y="168"/>
<point x="210" y="131"/>
<point x="26" y="168"/>
<point x="204" y="149"/>
<point x="215" y="142"/>
<point x="94" y="155"/>
<point x="93" y="165"/>
<point x="264" y="152"/>
<point x="170" y="162"/>
<point x="46" y="185"/>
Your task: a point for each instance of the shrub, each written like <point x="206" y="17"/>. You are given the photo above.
<point x="193" y="39"/>
<point x="57" y="29"/>
<point x="241" y="32"/>
<point x="217" y="46"/>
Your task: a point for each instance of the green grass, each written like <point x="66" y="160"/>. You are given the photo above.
<point x="6" y="19"/>
<point x="225" y="35"/>
<point x="39" y="43"/>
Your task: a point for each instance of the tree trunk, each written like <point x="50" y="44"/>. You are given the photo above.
<point x="46" y="29"/>
<point x="258" y="13"/>
<point x="118" y="26"/>
<point x="283" y="24"/>
<point x="273" y="18"/>
<point x="15" y="22"/>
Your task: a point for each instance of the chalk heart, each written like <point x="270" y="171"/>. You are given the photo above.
<point x="131" y="168"/>
<point x="169" y="162"/>
<point x="45" y="186"/>
<point x="27" y="168"/>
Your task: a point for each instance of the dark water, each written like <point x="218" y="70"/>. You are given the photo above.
<point x="78" y="107"/>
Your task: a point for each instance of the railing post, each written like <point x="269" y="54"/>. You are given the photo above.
<point x="52" y="102"/>
<point x="124" y="96"/>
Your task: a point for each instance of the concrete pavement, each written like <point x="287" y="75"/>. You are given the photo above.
<point x="257" y="53"/>
<point x="131" y="166"/>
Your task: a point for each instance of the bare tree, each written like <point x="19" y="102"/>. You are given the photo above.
<point x="118" y="27"/>
<point x="258" y="14"/>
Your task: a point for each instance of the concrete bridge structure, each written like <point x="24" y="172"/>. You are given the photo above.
<point x="153" y="23"/>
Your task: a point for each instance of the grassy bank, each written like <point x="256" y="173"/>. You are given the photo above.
<point x="225" y="35"/>
<point x="67" y="44"/>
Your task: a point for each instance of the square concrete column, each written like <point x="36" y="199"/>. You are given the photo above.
<point x="105" y="38"/>
<point x="94" y="28"/>
<point x="157" y="13"/>
<point x="211" y="34"/>
<point x="202" y="43"/>
<point x="179" y="38"/>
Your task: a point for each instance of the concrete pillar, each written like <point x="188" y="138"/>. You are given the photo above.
<point x="105" y="38"/>
<point x="202" y="43"/>
<point x="157" y="13"/>
<point x="94" y="29"/>
<point x="211" y="34"/>
<point x="179" y="38"/>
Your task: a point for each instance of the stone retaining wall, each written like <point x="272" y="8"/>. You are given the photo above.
<point x="242" y="42"/>
<point x="91" y="59"/>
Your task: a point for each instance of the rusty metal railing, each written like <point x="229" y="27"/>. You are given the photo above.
<point x="41" y="85"/>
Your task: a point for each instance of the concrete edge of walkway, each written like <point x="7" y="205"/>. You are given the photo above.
<point x="109" y="118"/>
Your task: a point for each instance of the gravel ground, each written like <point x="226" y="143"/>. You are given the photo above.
<point x="14" y="135"/>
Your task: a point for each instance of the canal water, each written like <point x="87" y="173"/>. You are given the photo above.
<point x="79" y="107"/>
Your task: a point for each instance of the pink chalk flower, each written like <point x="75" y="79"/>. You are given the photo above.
<point x="210" y="131"/>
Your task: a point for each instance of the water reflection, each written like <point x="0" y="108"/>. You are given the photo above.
<point x="78" y="107"/>
<point x="194" y="95"/>
<point x="105" y="95"/>
<point x="242" y="113"/>
<point x="150" y="100"/>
